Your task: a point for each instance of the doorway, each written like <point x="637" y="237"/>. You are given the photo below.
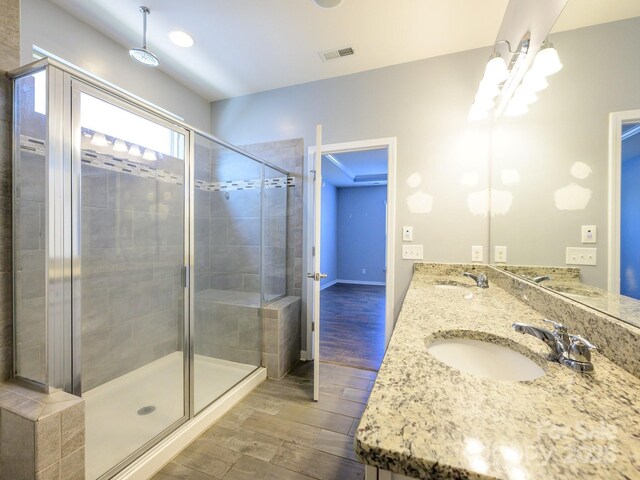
<point x="624" y="188"/>
<point x="356" y="298"/>
<point x="353" y="246"/>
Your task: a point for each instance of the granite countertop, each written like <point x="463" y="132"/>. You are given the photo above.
<point x="427" y="420"/>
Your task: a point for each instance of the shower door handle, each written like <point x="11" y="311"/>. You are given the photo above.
<point x="185" y="276"/>
<point x="316" y="276"/>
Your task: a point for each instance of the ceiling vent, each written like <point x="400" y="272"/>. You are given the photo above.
<point x="336" y="53"/>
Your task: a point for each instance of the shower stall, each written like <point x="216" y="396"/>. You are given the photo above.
<point x="144" y="252"/>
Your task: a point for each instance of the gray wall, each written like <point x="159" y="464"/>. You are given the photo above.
<point x="361" y="234"/>
<point x="58" y="32"/>
<point x="9" y="59"/>
<point x="425" y="105"/>
<point x="568" y="124"/>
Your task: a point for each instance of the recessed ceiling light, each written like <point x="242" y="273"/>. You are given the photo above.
<point x="181" y="39"/>
<point x="327" y="3"/>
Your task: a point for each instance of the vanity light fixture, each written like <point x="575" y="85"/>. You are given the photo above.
<point x="120" y="146"/>
<point x="181" y="39"/>
<point x="515" y="90"/>
<point x="134" y="151"/>
<point x="149" y="155"/>
<point x="99" y="140"/>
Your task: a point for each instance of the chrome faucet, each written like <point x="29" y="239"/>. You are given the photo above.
<point x="572" y="351"/>
<point x="541" y="278"/>
<point x="481" y="279"/>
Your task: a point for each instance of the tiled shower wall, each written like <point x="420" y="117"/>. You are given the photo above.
<point x="288" y="155"/>
<point x="227" y="241"/>
<point x="9" y="59"/>
<point x="132" y="254"/>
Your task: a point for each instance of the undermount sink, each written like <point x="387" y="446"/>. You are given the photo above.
<point x="484" y="359"/>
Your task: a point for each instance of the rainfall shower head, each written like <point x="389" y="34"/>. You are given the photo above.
<point x="143" y="55"/>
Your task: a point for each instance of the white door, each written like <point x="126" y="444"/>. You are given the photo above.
<point x="316" y="276"/>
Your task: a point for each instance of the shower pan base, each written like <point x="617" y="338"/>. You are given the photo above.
<point x="131" y="410"/>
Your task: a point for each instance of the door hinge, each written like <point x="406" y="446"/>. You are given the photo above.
<point x="313" y="251"/>
<point x="314" y="175"/>
<point x="313" y="326"/>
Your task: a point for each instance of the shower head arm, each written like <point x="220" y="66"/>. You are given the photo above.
<point x="145" y="11"/>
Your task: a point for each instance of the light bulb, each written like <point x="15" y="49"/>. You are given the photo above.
<point x="119" y="146"/>
<point x="149" y="155"/>
<point x="534" y="82"/>
<point x="524" y="95"/>
<point x="476" y="114"/>
<point x="483" y="102"/>
<point x="496" y="70"/>
<point x="547" y="61"/>
<point x="99" y="140"/>
<point x="488" y="89"/>
<point x="515" y="109"/>
<point x="134" y="151"/>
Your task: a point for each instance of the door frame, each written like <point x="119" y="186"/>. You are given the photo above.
<point x="390" y="143"/>
<point x="616" y="120"/>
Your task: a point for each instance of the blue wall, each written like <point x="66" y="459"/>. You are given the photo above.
<point x="630" y="228"/>
<point x="361" y="233"/>
<point x="329" y="234"/>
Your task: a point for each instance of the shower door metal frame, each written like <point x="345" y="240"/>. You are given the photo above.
<point x="57" y="240"/>
<point x="77" y="88"/>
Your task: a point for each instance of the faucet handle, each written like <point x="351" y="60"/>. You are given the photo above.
<point x="580" y="349"/>
<point x="558" y="327"/>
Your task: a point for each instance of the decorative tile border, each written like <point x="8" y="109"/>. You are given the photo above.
<point x="124" y="165"/>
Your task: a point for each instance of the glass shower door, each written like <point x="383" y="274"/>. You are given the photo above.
<point x="227" y="332"/>
<point x="129" y="175"/>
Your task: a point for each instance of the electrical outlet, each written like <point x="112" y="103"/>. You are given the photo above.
<point x="500" y="255"/>
<point x="476" y="253"/>
<point x="412" y="252"/>
<point x="407" y="234"/>
<point x="582" y="256"/>
<point x="364" y="271"/>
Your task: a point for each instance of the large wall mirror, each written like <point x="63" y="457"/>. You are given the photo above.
<point x="551" y="175"/>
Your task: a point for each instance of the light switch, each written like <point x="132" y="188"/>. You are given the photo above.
<point x="582" y="256"/>
<point x="476" y="253"/>
<point x="412" y="252"/>
<point x="589" y="234"/>
<point x="407" y="234"/>
<point x="500" y="255"/>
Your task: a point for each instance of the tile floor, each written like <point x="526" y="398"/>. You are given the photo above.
<point x="352" y="325"/>
<point x="278" y="433"/>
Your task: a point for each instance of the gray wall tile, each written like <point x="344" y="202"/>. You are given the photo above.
<point x="72" y="465"/>
<point x="47" y="443"/>
<point x="17" y="447"/>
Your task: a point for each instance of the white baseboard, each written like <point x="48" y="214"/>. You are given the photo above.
<point x="327" y="285"/>
<point x="156" y="458"/>
<point x="360" y="282"/>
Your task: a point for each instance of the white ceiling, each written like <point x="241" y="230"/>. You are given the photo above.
<point x="248" y="46"/>
<point x="353" y="165"/>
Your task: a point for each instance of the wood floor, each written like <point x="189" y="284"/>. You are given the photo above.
<point x="352" y="321"/>
<point x="278" y="433"/>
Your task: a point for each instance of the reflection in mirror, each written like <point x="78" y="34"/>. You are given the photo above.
<point x="553" y="165"/>
<point x="630" y="211"/>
